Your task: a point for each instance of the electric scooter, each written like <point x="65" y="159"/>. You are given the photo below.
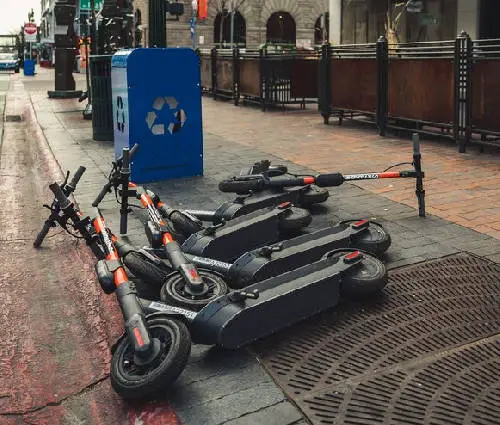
<point x="278" y="182"/>
<point x="148" y="263"/>
<point x="156" y="344"/>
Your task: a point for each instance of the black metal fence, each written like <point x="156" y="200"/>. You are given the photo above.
<point x="449" y="88"/>
<point x="269" y="79"/>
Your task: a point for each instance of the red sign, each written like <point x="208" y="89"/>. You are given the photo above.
<point x="30" y="31"/>
<point x="202" y="9"/>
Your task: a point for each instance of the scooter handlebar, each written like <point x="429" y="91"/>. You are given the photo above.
<point x="241" y="186"/>
<point x="329" y="180"/>
<point x="62" y="199"/>
<point x="76" y="178"/>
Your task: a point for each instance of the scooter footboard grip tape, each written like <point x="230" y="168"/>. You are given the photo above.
<point x="326" y="180"/>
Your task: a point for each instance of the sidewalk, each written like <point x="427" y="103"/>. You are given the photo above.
<point x="232" y="388"/>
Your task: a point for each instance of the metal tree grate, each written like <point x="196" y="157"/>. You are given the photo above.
<point x="426" y="351"/>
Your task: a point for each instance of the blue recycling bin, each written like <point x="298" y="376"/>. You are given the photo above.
<point x="157" y="104"/>
<point x="29" y="67"/>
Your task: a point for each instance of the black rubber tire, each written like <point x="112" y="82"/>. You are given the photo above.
<point x="375" y="240"/>
<point x="295" y="220"/>
<point x="365" y="279"/>
<point x="145" y="270"/>
<point x="313" y="195"/>
<point x="183" y="224"/>
<point x="41" y="236"/>
<point x="135" y="386"/>
<point x="171" y="291"/>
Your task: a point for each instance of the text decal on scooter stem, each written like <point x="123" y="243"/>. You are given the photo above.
<point x="361" y="176"/>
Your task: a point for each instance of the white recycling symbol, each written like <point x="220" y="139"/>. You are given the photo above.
<point x="179" y="115"/>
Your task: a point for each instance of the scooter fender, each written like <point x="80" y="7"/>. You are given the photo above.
<point x="283" y="300"/>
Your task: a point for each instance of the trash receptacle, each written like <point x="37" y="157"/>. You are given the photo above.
<point x="102" y="103"/>
<point x="157" y="104"/>
<point x="29" y="67"/>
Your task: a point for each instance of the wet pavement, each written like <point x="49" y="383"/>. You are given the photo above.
<point x="57" y="304"/>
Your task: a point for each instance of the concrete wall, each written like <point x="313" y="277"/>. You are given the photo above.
<point x="256" y="14"/>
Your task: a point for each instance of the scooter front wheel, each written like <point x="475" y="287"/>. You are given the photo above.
<point x="374" y="240"/>
<point x="313" y="195"/>
<point x="131" y="381"/>
<point x="365" y="278"/>
<point x="295" y="219"/>
<point x="174" y="290"/>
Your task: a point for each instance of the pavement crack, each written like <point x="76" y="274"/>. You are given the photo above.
<point x="84" y="390"/>
<point x="252" y="412"/>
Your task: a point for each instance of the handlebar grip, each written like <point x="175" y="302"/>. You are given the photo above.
<point x="63" y="200"/>
<point x="134" y="149"/>
<point x="328" y="180"/>
<point x="126" y="159"/>
<point x="416" y="144"/>
<point x="41" y="236"/>
<point x="102" y="194"/>
<point x="76" y="178"/>
<point x="240" y="186"/>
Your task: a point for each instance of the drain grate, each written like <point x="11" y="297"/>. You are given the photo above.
<point x="426" y="351"/>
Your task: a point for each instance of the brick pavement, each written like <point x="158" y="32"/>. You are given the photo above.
<point x="462" y="188"/>
<point x="230" y="388"/>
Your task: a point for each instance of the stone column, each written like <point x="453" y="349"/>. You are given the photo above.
<point x="335" y="21"/>
<point x="468" y="17"/>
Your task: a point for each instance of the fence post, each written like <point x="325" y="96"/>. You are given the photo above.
<point x="324" y="82"/>
<point x="463" y="91"/>
<point x="263" y="91"/>
<point x="236" y="75"/>
<point x="382" y="84"/>
<point x="213" y="56"/>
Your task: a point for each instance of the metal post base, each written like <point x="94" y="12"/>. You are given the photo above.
<point x="87" y="113"/>
<point x="64" y="94"/>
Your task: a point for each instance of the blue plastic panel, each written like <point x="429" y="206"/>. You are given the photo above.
<point x="157" y="103"/>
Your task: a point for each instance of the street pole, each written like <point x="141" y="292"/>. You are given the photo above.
<point x="93" y="30"/>
<point x="232" y="23"/>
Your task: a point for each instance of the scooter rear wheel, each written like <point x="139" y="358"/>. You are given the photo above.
<point x="174" y="291"/>
<point x="145" y="269"/>
<point x="313" y="195"/>
<point x="134" y="382"/>
<point x="296" y="219"/>
<point x="374" y="240"/>
<point x="367" y="277"/>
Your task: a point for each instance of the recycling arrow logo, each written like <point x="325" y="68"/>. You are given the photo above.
<point x="173" y="118"/>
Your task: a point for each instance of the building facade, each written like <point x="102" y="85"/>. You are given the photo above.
<point x="255" y="22"/>
<point x="363" y="21"/>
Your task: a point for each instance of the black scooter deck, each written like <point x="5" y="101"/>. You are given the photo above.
<point x="283" y="301"/>
<point x="228" y="242"/>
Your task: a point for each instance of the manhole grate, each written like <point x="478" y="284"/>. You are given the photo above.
<point x="427" y="350"/>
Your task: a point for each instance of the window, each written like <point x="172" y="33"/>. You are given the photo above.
<point x="222" y="30"/>
<point x="281" y="29"/>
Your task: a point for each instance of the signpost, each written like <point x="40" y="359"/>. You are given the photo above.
<point x="30" y="32"/>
